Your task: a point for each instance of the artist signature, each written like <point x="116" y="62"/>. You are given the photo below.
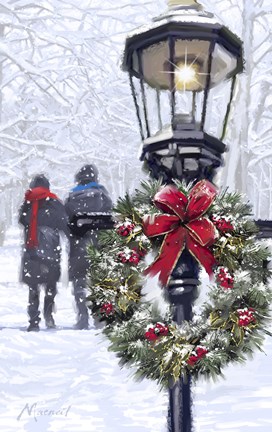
<point x="35" y="412"/>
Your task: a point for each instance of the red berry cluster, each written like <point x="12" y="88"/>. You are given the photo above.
<point x="246" y="317"/>
<point x="154" y="333"/>
<point x="122" y="256"/>
<point x="224" y="278"/>
<point x="200" y="353"/>
<point x="107" y="309"/>
<point x="222" y="224"/>
<point x="142" y="252"/>
<point x="125" y="229"/>
<point x="132" y="257"/>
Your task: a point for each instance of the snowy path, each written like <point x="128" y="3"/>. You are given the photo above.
<point x="71" y="373"/>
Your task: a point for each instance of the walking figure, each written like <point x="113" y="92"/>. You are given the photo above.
<point x="87" y="198"/>
<point x="43" y="216"/>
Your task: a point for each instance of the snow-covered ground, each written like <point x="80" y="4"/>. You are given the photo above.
<point x="71" y="374"/>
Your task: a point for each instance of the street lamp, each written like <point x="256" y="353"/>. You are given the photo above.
<point x="177" y="65"/>
<point x="182" y="69"/>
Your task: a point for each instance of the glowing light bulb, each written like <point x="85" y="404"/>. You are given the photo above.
<point x="186" y="76"/>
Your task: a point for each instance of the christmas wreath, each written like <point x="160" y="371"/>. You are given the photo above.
<point x="217" y="230"/>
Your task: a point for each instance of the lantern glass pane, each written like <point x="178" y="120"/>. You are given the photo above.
<point x="190" y="65"/>
<point x="159" y="111"/>
<point x="152" y="109"/>
<point x="184" y="104"/>
<point x="223" y="64"/>
<point x="199" y="103"/>
<point x="216" y="108"/>
<point x="165" y="108"/>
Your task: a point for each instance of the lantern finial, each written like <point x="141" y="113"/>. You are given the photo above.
<point x="183" y="3"/>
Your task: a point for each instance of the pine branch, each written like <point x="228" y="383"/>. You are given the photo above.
<point x="124" y="206"/>
<point x="231" y="204"/>
<point x="147" y="192"/>
<point x="183" y="186"/>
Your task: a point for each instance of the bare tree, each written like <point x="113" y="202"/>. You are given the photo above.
<point x="66" y="102"/>
<point x="248" y="167"/>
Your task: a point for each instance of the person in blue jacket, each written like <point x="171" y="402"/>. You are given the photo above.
<point x="86" y="198"/>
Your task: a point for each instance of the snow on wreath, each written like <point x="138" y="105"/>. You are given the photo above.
<point x="217" y="230"/>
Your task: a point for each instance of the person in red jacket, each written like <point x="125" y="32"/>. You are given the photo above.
<point x="43" y="216"/>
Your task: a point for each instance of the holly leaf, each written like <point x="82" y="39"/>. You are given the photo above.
<point x="123" y="303"/>
<point x="133" y="296"/>
<point x="217" y="321"/>
<point x="237" y="334"/>
<point x="234" y="317"/>
<point x="176" y="372"/>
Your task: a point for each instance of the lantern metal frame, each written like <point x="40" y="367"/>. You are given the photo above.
<point x="185" y="140"/>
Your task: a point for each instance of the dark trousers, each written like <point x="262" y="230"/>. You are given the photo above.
<point x="34" y="301"/>
<point x="79" y="285"/>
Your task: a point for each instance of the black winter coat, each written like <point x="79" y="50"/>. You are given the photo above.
<point x="42" y="264"/>
<point x="84" y="203"/>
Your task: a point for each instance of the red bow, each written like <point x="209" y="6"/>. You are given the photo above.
<point x="183" y="226"/>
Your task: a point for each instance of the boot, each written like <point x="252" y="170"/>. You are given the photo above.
<point x="33" y="327"/>
<point x="98" y="324"/>
<point x="82" y="323"/>
<point x="33" y="309"/>
<point x="49" y="304"/>
<point x="80" y="298"/>
<point x="50" y="323"/>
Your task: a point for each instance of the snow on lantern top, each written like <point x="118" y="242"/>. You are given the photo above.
<point x="186" y="47"/>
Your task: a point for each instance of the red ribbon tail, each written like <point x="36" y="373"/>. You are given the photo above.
<point x="202" y="254"/>
<point x="32" y="240"/>
<point x="171" y="249"/>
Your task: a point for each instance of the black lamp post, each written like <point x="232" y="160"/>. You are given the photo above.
<point x="176" y="66"/>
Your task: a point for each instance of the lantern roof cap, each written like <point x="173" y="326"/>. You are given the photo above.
<point x="181" y="15"/>
<point x="184" y="3"/>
